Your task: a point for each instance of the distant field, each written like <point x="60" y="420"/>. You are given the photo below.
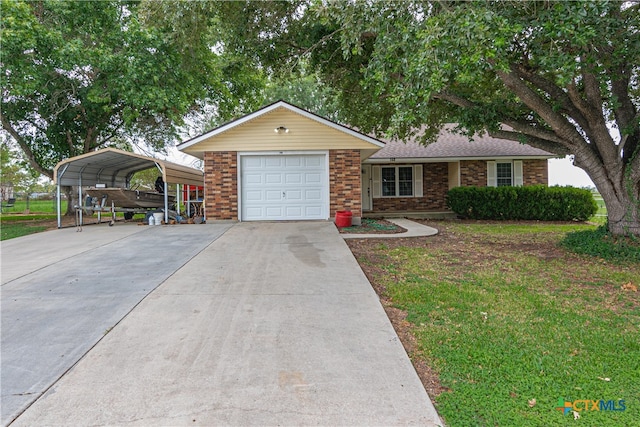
<point x="35" y="206"/>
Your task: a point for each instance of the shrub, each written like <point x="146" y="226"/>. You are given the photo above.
<point x="536" y="202"/>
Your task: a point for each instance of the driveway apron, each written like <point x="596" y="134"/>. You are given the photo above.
<point x="63" y="291"/>
<point x="271" y="324"/>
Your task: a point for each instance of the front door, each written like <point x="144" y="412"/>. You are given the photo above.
<point x="367" y="204"/>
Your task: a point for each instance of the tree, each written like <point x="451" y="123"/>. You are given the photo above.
<point x="79" y="76"/>
<point x="561" y="76"/>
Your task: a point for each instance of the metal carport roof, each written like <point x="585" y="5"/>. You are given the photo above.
<point x="116" y="167"/>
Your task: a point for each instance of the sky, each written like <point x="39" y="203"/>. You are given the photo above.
<point x="562" y="172"/>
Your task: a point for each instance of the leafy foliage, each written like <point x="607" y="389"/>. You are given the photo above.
<point x="600" y="243"/>
<point x="537" y="202"/>
<point x="78" y="76"/>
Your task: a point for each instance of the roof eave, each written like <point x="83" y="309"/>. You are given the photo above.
<point x="451" y="159"/>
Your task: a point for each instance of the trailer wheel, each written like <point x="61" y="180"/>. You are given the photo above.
<point x="128" y="215"/>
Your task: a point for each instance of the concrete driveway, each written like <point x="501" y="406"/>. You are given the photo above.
<point x="250" y="324"/>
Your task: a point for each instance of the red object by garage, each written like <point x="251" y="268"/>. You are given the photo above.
<point x="343" y="218"/>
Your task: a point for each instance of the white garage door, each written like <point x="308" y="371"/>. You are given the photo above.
<point x="283" y="187"/>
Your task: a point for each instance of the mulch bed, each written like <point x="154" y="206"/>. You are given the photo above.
<point x="372" y="226"/>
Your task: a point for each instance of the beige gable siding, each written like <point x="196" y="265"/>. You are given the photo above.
<point x="259" y="135"/>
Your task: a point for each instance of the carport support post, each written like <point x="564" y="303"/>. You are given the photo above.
<point x="58" y="195"/>
<point x="166" y="203"/>
<point x="58" y="205"/>
<point x="80" y="202"/>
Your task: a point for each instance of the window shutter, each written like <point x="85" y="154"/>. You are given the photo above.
<point x="377" y="181"/>
<point x="417" y="181"/>
<point x="492" y="174"/>
<point x="518" y="180"/>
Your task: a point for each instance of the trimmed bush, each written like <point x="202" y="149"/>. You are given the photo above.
<point x="536" y="202"/>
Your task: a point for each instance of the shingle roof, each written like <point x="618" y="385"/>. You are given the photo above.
<point x="452" y="145"/>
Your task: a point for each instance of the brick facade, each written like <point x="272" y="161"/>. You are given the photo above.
<point x="221" y="184"/>
<point x="435" y="184"/>
<point x="535" y="172"/>
<point x="473" y="173"/>
<point x="345" y="191"/>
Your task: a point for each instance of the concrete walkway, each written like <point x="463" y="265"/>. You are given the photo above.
<point x="269" y="324"/>
<point x="413" y="228"/>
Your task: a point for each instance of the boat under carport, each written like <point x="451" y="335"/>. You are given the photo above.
<point x="114" y="168"/>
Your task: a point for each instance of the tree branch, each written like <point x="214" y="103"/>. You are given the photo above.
<point x="454" y="99"/>
<point x="6" y="125"/>
<point x="534" y="131"/>
<point x="543" y="144"/>
<point x="554" y="92"/>
<point x="598" y="131"/>
<point x="571" y="138"/>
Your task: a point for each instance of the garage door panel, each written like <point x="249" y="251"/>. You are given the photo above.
<point x="273" y="195"/>
<point x="313" y="210"/>
<point x="293" y="178"/>
<point x="314" y="161"/>
<point x="253" y="178"/>
<point x="252" y="163"/>
<point x="273" y="178"/>
<point x="294" y="195"/>
<point x="271" y="162"/>
<point x="293" y="161"/>
<point x="253" y="213"/>
<point x="312" y="178"/>
<point x="273" y="212"/>
<point x="315" y="195"/>
<point x="281" y="187"/>
<point x="254" y="196"/>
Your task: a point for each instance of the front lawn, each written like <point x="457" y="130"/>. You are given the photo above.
<point x="510" y="324"/>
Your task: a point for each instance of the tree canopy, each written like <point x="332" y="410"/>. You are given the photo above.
<point x="561" y="76"/>
<point x="78" y="76"/>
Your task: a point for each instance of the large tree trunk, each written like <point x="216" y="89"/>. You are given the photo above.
<point x="72" y="199"/>
<point x="619" y="189"/>
<point x="623" y="216"/>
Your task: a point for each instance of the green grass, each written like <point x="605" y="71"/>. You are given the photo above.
<point x="17" y="229"/>
<point x="15" y="223"/>
<point x="505" y="315"/>
<point x="35" y="206"/>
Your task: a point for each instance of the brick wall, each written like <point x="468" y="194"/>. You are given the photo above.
<point x="344" y="182"/>
<point x="473" y="173"/>
<point x="535" y="172"/>
<point x="435" y="184"/>
<point x="221" y="185"/>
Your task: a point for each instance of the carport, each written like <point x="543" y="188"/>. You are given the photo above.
<point x="115" y="168"/>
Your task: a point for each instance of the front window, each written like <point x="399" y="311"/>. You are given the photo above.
<point x="504" y="176"/>
<point x="397" y="181"/>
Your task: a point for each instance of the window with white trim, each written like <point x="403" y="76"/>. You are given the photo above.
<point x="504" y="177"/>
<point x="397" y="181"/>
<point x="502" y="174"/>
